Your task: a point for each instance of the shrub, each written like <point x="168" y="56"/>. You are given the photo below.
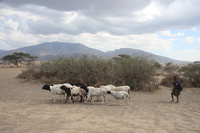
<point x="170" y="68"/>
<point x="192" y="73"/>
<point x="157" y="65"/>
<point x="168" y="80"/>
<point x="137" y="72"/>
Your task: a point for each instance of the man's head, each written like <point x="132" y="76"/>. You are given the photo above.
<point x="175" y="78"/>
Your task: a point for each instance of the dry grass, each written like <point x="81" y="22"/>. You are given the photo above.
<point x="25" y="107"/>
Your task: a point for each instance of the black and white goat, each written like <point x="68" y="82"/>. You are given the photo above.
<point x="55" y="90"/>
<point x="92" y="91"/>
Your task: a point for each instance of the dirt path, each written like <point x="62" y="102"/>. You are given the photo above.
<point x="26" y="108"/>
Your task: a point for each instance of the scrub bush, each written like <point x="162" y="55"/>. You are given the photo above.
<point x="137" y="72"/>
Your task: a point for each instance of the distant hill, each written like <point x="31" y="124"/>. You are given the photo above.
<point x="2" y="50"/>
<point x="135" y="52"/>
<point x="49" y="50"/>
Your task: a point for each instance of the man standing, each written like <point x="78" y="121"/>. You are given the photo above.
<point x="176" y="89"/>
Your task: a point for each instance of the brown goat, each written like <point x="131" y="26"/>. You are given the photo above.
<point x="97" y="85"/>
<point x="67" y="91"/>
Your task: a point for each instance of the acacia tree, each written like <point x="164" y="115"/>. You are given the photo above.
<point x="30" y="59"/>
<point x="19" y="57"/>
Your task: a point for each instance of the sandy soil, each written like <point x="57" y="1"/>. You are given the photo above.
<point x="26" y="108"/>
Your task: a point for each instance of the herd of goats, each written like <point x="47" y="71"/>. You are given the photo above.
<point x="84" y="92"/>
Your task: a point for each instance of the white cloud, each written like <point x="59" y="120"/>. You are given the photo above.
<point x="100" y="16"/>
<point x="194" y="29"/>
<point x="198" y="39"/>
<point x="168" y="33"/>
<point x="189" y="55"/>
<point x="178" y="34"/>
<point x="102" y="40"/>
<point x="105" y="41"/>
<point x="189" y="39"/>
<point x="148" y="13"/>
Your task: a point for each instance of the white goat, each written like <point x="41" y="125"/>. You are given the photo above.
<point x="125" y="88"/>
<point x="107" y="88"/>
<point x="92" y="91"/>
<point x="119" y="95"/>
<point x="112" y="87"/>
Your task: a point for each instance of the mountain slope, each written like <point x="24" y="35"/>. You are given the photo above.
<point x="2" y="50"/>
<point x="49" y="50"/>
<point x="135" y="52"/>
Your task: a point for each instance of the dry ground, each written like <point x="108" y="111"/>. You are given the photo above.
<point x="26" y="108"/>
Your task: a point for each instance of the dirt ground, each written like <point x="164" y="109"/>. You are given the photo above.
<point x="26" y="108"/>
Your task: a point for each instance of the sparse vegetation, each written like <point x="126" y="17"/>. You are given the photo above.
<point x="137" y="72"/>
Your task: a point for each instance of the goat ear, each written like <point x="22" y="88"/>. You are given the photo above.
<point x="108" y="92"/>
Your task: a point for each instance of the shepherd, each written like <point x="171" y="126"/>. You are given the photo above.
<point x="176" y="89"/>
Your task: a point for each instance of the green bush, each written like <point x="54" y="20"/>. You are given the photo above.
<point x="192" y="73"/>
<point x="137" y="72"/>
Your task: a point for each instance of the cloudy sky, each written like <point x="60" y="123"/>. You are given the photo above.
<point x="169" y="28"/>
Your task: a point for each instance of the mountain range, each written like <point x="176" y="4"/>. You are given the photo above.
<point x="48" y="50"/>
